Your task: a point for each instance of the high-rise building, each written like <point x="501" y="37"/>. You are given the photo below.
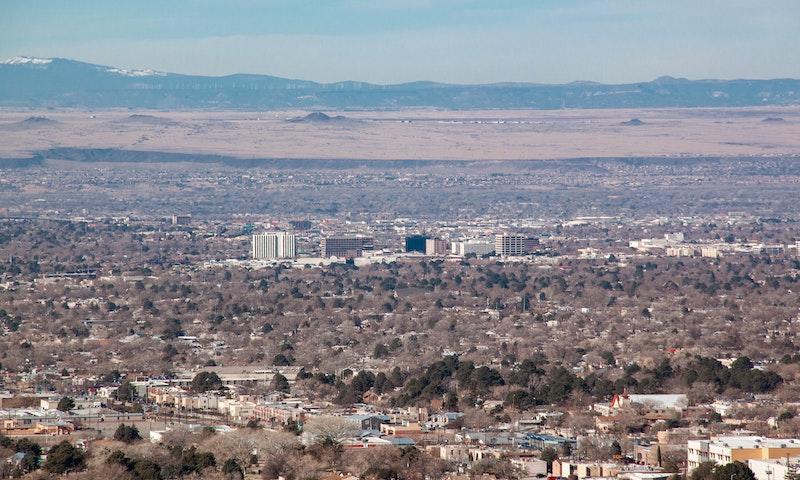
<point x="436" y="246"/>
<point x="346" y="247"/>
<point x="181" y="219"/>
<point x="272" y="245"/>
<point x="512" y="245"/>
<point x="416" y="243"/>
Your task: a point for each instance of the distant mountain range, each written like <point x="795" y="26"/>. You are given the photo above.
<point x="42" y="83"/>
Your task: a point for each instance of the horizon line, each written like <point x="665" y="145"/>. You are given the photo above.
<point x="8" y="62"/>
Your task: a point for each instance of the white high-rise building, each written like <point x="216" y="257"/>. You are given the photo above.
<point x="271" y="245"/>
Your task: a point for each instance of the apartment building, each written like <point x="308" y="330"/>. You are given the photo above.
<point x="273" y="245"/>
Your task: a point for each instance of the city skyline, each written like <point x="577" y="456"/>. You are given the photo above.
<point x="552" y="239"/>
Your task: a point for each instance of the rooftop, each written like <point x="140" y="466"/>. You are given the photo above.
<point x="753" y="441"/>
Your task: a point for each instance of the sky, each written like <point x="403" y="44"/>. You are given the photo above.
<point x="391" y="41"/>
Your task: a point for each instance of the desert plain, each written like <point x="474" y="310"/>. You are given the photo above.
<point x="414" y="134"/>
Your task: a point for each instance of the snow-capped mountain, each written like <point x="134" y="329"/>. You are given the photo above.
<point x="24" y="60"/>
<point x="57" y="82"/>
<point x="27" y="60"/>
<point x="135" y="73"/>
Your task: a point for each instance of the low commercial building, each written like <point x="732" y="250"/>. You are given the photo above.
<point x="723" y="450"/>
<point x="644" y="475"/>
<point x="776" y="469"/>
<point x="445" y="420"/>
<point x="35" y="421"/>
<point x="235" y="375"/>
<point x="471" y="247"/>
<point x="280" y="413"/>
<point x="530" y="467"/>
<point x="400" y="429"/>
<point x="540" y="441"/>
<point x="367" y="421"/>
<point x="450" y="453"/>
<point x="565" y="468"/>
<point x="16" y="427"/>
<point x="655" y="405"/>
<point x="680" y="251"/>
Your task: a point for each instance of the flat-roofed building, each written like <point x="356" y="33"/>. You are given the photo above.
<point x="723" y="450"/>
<point x="235" y="375"/>
<point x="181" y="219"/>
<point x="272" y="245"/>
<point x="281" y="413"/>
<point x="436" y="246"/>
<point x="566" y="467"/>
<point x="367" y="421"/>
<point x="416" y="243"/>
<point x="346" y="246"/>
<point x="471" y="246"/>
<point x="661" y="403"/>
<point x="680" y="251"/>
<point x="775" y="469"/>
<point x="540" y="441"/>
<point x="514" y="245"/>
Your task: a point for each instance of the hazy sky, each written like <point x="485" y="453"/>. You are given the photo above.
<point x="386" y="41"/>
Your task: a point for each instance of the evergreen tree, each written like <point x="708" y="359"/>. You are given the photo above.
<point x="64" y="458"/>
<point x="616" y="449"/>
<point x="280" y="383"/>
<point x="205" y="381"/>
<point x="125" y="392"/>
<point x="66" y="404"/>
<point x="451" y="401"/>
<point x="733" y="471"/>
<point x="127" y="434"/>
<point x="232" y="470"/>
